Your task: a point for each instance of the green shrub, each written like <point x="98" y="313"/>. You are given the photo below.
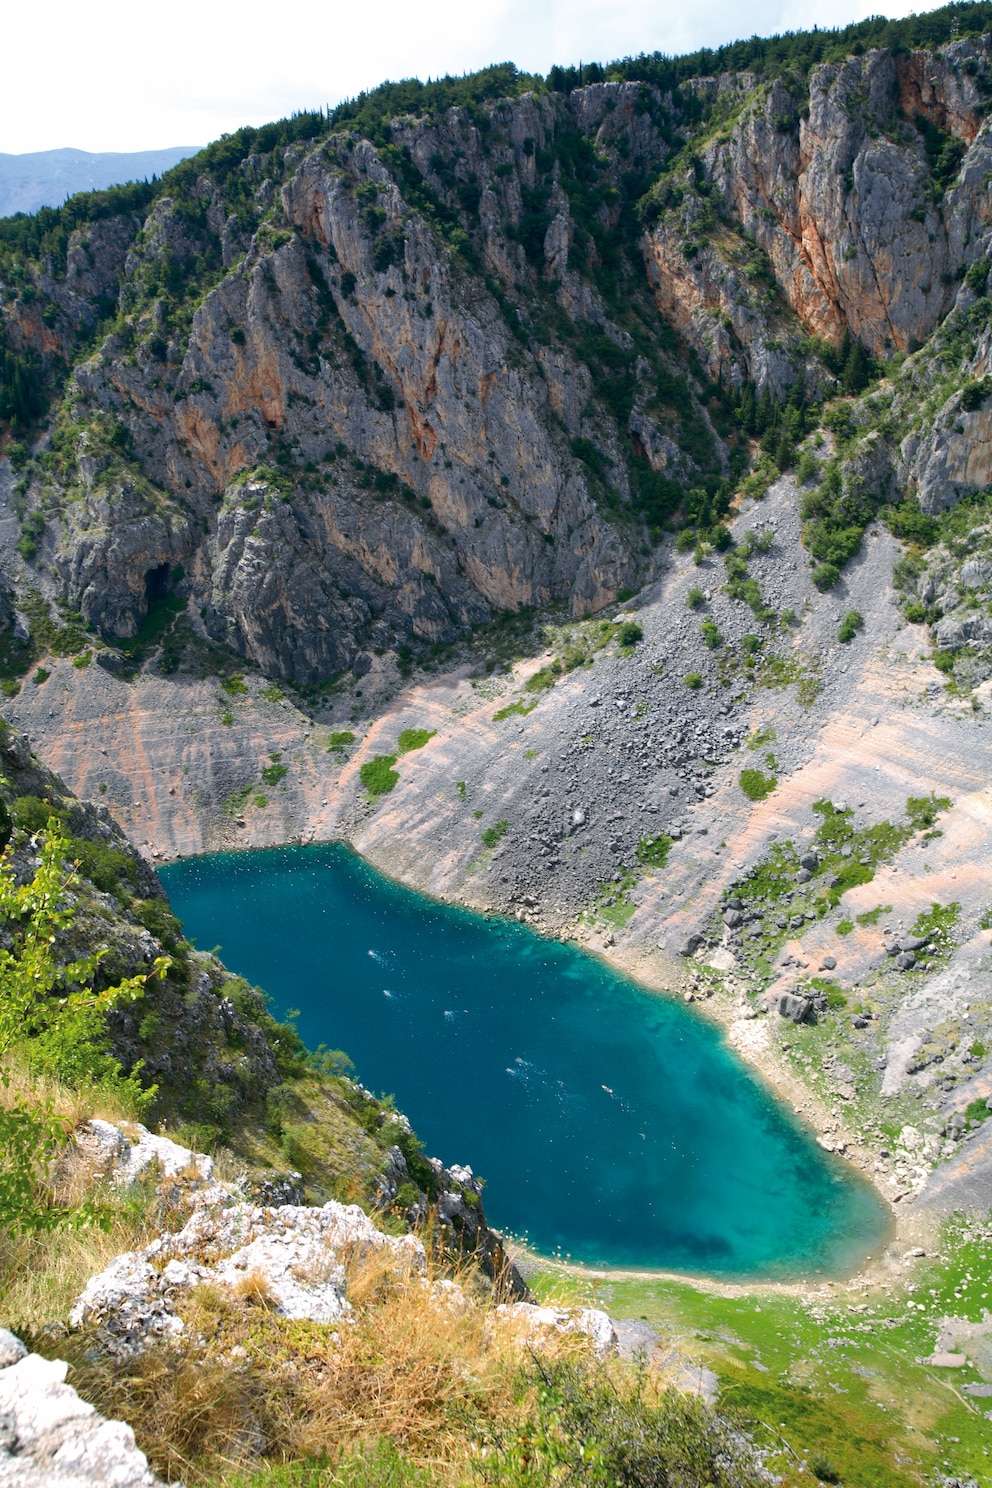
<point x="338" y="742"/>
<point x="974" y="393"/>
<point x="825" y="576"/>
<point x="107" y="869"/>
<point x="872" y="916"/>
<point x="759" y="542"/>
<point x="53" y="1018"/>
<point x="695" y="599"/>
<point x="977" y="276"/>
<point x="41" y="675"/>
<point x="653" y="852"/>
<point x="543" y="679"/>
<point x="823" y="1470"/>
<point x="378" y="776"/>
<point x="693" y="680"/>
<point x="755" y="785"/>
<point x="756" y="485"/>
<point x="844" y="927"/>
<point x="852" y="622"/>
<point x="807" y="468"/>
<point x="588" y="1426"/>
<point x="494" y="834"/>
<point x="235" y="685"/>
<point x="629" y="634"/>
<point x="31" y="813"/>
<point x="272" y="774"/>
<point x="519" y="709"/>
<point x="413" y="739"/>
<point x="910" y="524"/>
<point x="711" y="635"/>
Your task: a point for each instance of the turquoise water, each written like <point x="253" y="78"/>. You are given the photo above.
<point x="609" y="1123"/>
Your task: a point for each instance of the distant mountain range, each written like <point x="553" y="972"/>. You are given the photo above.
<point x="45" y="178"/>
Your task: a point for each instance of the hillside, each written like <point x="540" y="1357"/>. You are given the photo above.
<point x="574" y="493"/>
<point x="45" y="178"/>
<point x="371" y="383"/>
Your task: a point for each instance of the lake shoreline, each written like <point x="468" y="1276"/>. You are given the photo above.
<point x="697" y="1111"/>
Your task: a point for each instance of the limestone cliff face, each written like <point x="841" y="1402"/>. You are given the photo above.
<point x="362" y="390"/>
<point x="950" y="455"/>
<point x="440" y="484"/>
<point x="833" y="191"/>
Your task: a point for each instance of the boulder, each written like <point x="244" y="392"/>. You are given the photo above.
<point x="722" y="960"/>
<point x="11" y="1349"/>
<point x="911" y="942"/>
<point x="534" y="1322"/>
<point x="794" y="1007"/>
<point x="51" y="1438"/>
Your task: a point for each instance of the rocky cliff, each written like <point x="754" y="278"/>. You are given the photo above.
<point x="336" y="389"/>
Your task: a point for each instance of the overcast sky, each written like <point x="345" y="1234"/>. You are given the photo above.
<point x="111" y="75"/>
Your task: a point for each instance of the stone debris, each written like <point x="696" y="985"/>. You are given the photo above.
<point x="960" y="1341"/>
<point x="532" y="1321"/>
<point x="50" y="1438"/>
<point x="292" y="1255"/>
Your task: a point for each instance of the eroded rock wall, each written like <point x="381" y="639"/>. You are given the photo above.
<point x="832" y="184"/>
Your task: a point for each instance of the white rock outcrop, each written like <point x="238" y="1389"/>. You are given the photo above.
<point x="125" y="1154"/>
<point x="533" y="1321"/>
<point x="50" y="1438"/>
<point x="293" y="1255"/>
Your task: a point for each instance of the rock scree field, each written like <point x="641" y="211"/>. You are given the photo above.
<point x="551" y="517"/>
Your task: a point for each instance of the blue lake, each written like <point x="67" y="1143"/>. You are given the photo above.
<point x="611" y="1124"/>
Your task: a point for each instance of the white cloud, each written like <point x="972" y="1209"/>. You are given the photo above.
<point x="115" y="76"/>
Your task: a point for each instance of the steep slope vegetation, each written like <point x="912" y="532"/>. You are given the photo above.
<point x="215" y="1064"/>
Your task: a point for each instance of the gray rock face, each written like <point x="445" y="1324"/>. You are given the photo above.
<point x="832" y="201"/>
<point x="379" y="405"/>
<point x="954" y="457"/>
<point x="441" y="483"/>
<point x="50" y="1438"/>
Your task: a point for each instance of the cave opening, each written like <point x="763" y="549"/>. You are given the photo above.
<point x="157" y="582"/>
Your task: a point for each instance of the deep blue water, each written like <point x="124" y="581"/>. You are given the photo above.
<point x="609" y="1123"/>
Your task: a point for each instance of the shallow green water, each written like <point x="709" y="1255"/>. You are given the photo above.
<point x="611" y="1124"/>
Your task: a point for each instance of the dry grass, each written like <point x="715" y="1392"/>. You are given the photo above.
<point x="417" y="1364"/>
<point x="75" y="1106"/>
<point x="42" y="1274"/>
